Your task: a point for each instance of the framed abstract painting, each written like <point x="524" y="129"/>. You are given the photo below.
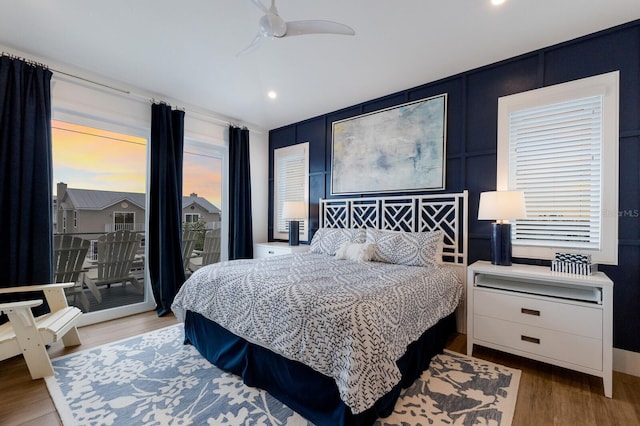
<point x="398" y="149"/>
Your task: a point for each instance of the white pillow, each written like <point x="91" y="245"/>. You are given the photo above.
<point x="358" y="252"/>
<point x="329" y="240"/>
<point x="407" y="248"/>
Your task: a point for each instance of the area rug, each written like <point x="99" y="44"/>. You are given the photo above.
<point x="153" y="379"/>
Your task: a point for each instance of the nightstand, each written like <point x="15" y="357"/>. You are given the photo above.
<point x="262" y="250"/>
<point x="558" y="318"/>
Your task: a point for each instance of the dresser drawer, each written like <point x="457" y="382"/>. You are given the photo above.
<point x="270" y="250"/>
<point x="262" y="250"/>
<point x="564" y="317"/>
<point x="569" y="348"/>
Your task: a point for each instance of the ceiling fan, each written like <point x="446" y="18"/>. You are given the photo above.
<point x="271" y="25"/>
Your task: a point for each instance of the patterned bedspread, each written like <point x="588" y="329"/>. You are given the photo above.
<point x="350" y="321"/>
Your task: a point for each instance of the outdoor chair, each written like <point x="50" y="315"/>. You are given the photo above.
<point x="69" y="255"/>
<point x="28" y="335"/>
<point x="189" y="238"/>
<point x="210" y="251"/>
<point x="116" y="254"/>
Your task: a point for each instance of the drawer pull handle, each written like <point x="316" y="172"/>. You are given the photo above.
<point x="530" y="312"/>
<point x="271" y="252"/>
<point x="530" y="339"/>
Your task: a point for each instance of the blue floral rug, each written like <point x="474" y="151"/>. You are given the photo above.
<point x="153" y="379"/>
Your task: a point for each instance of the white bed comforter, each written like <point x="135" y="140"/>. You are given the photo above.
<point x="349" y="321"/>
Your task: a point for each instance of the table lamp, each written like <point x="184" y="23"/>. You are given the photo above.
<point x="293" y="211"/>
<point x="501" y="206"/>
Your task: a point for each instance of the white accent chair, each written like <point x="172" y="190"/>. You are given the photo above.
<point x="28" y="335"/>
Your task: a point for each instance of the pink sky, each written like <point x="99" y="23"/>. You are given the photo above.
<point x="90" y="158"/>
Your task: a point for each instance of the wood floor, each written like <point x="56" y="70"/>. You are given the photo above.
<point x="547" y="395"/>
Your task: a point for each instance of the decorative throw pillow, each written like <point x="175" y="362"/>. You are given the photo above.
<point x="329" y="240"/>
<point x="407" y="248"/>
<point x="358" y="252"/>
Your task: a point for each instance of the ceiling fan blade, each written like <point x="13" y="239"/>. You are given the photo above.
<point x="317" y="27"/>
<point x="253" y="46"/>
<point x="260" y="6"/>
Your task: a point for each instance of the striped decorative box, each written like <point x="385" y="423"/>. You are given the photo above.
<point x="573" y="264"/>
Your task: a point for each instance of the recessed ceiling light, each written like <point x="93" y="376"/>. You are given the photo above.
<point x="497" y="2"/>
<point x="272" y="94"/>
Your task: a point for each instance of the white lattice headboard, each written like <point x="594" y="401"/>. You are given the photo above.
<point x="411" y="213"/>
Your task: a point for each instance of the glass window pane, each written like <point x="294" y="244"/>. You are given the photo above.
<point x="201" y="204"/>
<point x="100" y="182"/>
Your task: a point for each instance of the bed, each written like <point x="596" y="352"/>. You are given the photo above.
<point x="337" y="332"/>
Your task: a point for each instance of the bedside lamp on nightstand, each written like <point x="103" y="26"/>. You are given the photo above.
<point x="501" y="206"/>
<point x="293" y="211"/>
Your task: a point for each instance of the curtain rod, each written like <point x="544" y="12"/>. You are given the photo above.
<point x="28" y="61"/>
<point x="149" y="99"/>
<point x="117" y="89"/>
<point x="126" y="92"/>
<point x="35" y="63"/>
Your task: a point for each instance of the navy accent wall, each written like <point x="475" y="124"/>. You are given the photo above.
<point x="472" y="118"/>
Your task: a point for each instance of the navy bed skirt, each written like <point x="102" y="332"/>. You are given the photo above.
<point x="308" y="392"/>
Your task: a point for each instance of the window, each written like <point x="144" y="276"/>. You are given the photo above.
<point x="559" y="145"/>
<point x="191" y="217"/>
<point x="291" y="183"/>
<point x="75" y="218"/>
<point x="124" y="220"/>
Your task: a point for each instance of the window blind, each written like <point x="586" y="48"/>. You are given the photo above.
<point x="555" y="158"/>
<point x="291" y="183"/>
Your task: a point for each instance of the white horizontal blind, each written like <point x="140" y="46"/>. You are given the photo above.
<point x="555" y="158"/>
<point x="291" y="184"/>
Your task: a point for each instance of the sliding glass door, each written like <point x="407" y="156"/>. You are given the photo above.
<point x="100" y="205"/>
<point x="202" y="203"/>
<point x="99" y="215"/>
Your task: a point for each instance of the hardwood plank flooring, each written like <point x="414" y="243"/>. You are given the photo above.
<point x="548" y="395"/>
<point x="554" y="396"/>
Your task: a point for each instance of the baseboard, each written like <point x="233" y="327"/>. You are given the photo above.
<point x="626" y="362"/>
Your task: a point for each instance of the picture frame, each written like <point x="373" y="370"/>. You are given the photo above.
<point x="397" y="149"/>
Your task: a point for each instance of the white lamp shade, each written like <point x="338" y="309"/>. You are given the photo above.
<point x="501" y="205"/>
<point x="292" y="210"/>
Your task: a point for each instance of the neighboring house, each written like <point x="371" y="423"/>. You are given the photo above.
<point x="196" y="209"/>
<point x="92" y="212"/>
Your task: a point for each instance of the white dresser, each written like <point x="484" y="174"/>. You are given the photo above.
<point x="558" y="318"/>
<point x="261" y="250"/>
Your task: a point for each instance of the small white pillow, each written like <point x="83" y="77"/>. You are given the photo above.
<point x="358" y="252"/>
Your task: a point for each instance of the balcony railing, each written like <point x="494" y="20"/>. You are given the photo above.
<point x="112" y="227"/>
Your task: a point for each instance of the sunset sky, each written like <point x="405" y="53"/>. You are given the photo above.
<point x="88" y="158"/>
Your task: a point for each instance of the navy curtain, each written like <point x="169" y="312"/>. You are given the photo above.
<point x="165" y="205"/>
<point x="26" y="192"/>
<point x="240" y="225"/>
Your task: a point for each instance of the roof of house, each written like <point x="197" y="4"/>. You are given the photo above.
<point x="92" y="199"/>
<point x="202" y="202"/>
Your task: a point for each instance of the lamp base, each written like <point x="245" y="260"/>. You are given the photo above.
<point x="294" y="233"/>
<point x="501" y="244"/>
